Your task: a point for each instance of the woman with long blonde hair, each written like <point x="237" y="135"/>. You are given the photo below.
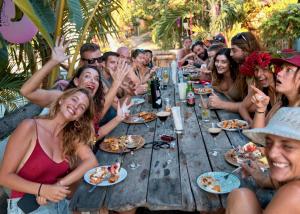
<point x="44" y="156"/>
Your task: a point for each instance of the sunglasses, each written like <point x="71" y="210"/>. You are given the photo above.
<point x="241" y="36"/>
<point x="93" y="60"/>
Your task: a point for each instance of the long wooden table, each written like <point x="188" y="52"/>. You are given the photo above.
<point x="157" y="185"/>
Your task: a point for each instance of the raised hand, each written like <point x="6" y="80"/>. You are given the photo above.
<point x="122" y="70"/>
<point x="140" y="89"/>
<point x="123" y="111"/>
<point x="54" y="193"/>
<point x="260" y="100"/>
<point x="58" y="51"/>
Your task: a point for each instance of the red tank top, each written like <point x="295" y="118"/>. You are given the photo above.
<point x="41" y="168"/>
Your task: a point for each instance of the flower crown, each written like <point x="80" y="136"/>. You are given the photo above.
<point x="256" y="58"/>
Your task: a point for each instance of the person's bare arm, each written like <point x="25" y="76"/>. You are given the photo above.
<point x="245" y="108"/>
<point x="261" y="101"/>
<point x="286" y="200"/>
<point x="121" y="113"/>
<point x="118" y="77"/>
<point x="17" y="146"/>
<point x="216" y="102"/>
<point x="87" y="162"/>
<point x="31" y="88"/>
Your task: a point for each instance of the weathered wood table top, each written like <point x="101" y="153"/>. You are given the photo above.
<point x="156" y="184"/>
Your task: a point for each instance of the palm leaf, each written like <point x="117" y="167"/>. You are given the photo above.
<point x="75" y="13"/>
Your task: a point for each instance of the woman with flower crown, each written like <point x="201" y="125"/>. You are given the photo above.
<point x="261" y="76"/>
<point x="287" y="84"/>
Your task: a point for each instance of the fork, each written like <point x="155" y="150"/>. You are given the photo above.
<point x="231" y="173"/>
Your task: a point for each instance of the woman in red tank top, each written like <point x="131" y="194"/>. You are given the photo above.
<point x="41" y="156"/>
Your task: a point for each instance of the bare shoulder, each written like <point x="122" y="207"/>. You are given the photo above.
<point x="286" y="200"/>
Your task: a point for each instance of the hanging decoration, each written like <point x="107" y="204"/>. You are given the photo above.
<point x="15" y="27"/>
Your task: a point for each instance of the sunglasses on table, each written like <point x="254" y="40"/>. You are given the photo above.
<point x="93" y="60"/>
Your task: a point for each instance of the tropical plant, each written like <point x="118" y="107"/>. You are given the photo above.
<point x="283" y="24"/>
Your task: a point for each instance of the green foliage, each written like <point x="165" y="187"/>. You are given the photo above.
<point x="75" y="13"/>
<point x="283" y="24"/>
<point x="10" y="84"/>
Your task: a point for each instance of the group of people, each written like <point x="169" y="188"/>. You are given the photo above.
<point x="265" y="91"/>
<point x="45" y="156"/>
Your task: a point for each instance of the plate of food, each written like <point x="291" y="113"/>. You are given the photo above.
<point x="247" y="152"/>
<point x="122" y="144"/>
<point x="233" y="125"/>
<point x="137" y="100"/>
<point x="105" y="175"/>
<point x="142" y="117"/>
<point x="203" y="91"/>
<point x="215" y="182"/>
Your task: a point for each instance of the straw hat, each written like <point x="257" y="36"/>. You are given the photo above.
<point x="285" y="123"/>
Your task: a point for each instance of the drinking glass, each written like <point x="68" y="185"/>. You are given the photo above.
<point x="167" y="104"/>
<point x="214" y="130"/>
<point x="162" y="116"/>
<point x="132" y="147"/>
<point x="182" y="91"/>
<point x="165" y="76"/>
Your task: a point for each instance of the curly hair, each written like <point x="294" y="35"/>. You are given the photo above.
<point x="99" y="96"/>
<point x="77" y="131"/>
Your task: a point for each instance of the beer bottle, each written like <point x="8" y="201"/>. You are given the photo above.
<point x="190" y="96"/>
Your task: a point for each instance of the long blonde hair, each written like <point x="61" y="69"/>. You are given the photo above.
<point x="77" y="131"/>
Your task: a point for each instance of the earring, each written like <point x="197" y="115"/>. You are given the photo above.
<point x="77" y="124"/>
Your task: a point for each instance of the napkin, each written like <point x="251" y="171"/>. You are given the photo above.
<point x="174" y="71"/>
<point x="177" y="118"/>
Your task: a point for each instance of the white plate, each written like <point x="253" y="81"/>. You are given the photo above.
<point x="239" y="121"/>
<point x="122" y="174"/>
<point x="227" y="185"/>
<point x="137" y="100"/>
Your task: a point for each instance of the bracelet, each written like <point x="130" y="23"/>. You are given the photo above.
<point x="260" y="112"/>
<point x="39" y="191"/>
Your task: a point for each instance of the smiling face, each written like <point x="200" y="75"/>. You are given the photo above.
<point x="283" y="155"/>
<point x="222" y="64"/>
<point x="111" y="63"/>
<point x="187" y="43"/>
<point x="90" y="55"/>
<point x="140" y="59"/>
<point x="264" y="76"/>
<point x="237" y="54"/>
<point x="89" y="79"/>
<point x="199" y="51"/>
<point x="74" y="106"/>
<point x="288" y="79"/>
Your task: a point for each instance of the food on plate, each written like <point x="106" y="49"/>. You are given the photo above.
<point x="205" y="90"/>
<point x="250" y="152"/>
<point x="113" y="143"/>
<point x="99" y="175"/>
<point x="210" y="182"/>
<point x="207" y="180"/>
<point x="216" y="188"/>
<point x="234" y="124"/>
<point x="106" y="172"/>
<point x="114" y="170"/>
<point x="146" y="115"/>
